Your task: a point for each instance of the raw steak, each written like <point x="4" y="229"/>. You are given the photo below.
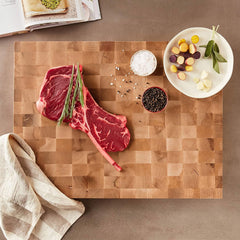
<point x="107" y="131"/>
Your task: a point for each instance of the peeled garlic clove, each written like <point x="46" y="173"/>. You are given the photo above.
<point x="207" y="83"/>
<point x="204" y="74"/>
<point x="196" y="80"/>
<point x="200" y="85"/>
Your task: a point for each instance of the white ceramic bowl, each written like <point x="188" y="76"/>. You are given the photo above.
<point x="153" y="61"/>
<point x="188" y="87"/>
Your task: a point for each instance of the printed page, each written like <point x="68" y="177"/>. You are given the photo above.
<point x="66" y="12"/>
<point x="39" y="13"/>
<point x="94" y="9"/>
<point x="11" y="17"/>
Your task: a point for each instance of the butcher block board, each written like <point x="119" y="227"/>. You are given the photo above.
<point x="176" y="153"/>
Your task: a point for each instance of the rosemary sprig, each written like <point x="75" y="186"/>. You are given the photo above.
<point x="74" y="98"/>
<point x="65" y="111"/>
<point x="80" y="86"/>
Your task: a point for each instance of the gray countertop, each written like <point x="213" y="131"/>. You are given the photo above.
<point x="152" y="219"/>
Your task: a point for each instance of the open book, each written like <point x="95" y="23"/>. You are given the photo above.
<point x="18" y="16"/>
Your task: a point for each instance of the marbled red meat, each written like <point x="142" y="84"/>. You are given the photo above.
<point x="107" y="131"/>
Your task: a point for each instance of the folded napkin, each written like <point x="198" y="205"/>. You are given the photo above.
<point x="31" y="207"/>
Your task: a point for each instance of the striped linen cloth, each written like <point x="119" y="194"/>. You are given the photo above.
<point x="31" y="207"/>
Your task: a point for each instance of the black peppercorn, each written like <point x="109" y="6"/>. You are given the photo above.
<point x="154" y="99"/>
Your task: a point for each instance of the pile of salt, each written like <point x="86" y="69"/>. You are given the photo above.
<point x="143" y="63"/>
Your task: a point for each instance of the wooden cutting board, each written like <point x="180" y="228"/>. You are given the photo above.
<point x="173" y="154"/>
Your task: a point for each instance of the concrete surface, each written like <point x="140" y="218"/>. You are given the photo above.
<point x="152" y="219"/>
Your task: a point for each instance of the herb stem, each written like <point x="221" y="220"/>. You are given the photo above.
<point x="74" y="98"/>
<point x="80" y="86"/>
<point x="214" y="30"/>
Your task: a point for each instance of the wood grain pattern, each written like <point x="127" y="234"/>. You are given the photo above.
<point x="173" y="154"/>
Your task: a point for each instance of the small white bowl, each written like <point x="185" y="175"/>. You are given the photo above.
<point x="151" y="57"/>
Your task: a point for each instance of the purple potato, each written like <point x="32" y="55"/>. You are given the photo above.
<point x="181" y="68"/>
<point x="173" y="58"/>
<point x="196" y="55"/>
<point x="186" y="55"/>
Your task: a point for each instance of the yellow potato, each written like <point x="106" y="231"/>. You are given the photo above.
<point x="173" y="68"/>
<point x="195" y="39"/>
<point x="189" y="68"/>
<point x="180" y="41"/>
<point x="175" y="50"/>
<point x="183" y="47"/>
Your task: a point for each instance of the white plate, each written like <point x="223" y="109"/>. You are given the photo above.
<point x="188" y="87"/>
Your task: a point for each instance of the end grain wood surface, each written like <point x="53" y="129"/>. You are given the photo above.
<point x="173" y="154"/>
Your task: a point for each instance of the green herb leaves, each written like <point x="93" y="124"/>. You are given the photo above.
<point x="66" y="112"/>
<point x="74" y="98"/>
<point x="215" y="64"/>
<point x="219" y="57"/>
<point x="208" y="51"/>
<point x="80" y="87"/>
<point x="212" y="51"/>
<point x="216" y="48"/>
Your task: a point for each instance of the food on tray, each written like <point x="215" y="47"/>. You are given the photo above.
<point x="196" y="55"/>
<point x="181" y="68"/>
<point x="204" y="84"/>
<point x="181" y="76"/>
<point x="175" y="50"/>
<point x="189" y="61"/>
<point x="204" y="74"/>
<point x="173" y="68"/>
<point x="180" y="41"/>
<point x="184" y="57"/>
<point x="195" y="39"/>
<point x="180" y="60"/>
<point x="183" y="47"/>
<point x="196" y="59"/>
<point x="212" y="51"/>
<point x="173" y="58"/>
<point x="186" y="54"/>
<point x="43" y="7"/>
<point x="143" y="63"/>
<point x="192" y="48"/>
<point x="188" y="68"/>
<point x="154" y="99"/>
<point x="196" y="80"/>
<point x="207" y="84"/>
<point x="200" y="85"/>
<point x="64" y="97"/>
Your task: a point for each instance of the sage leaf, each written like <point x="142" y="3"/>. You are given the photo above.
<point x="219" y="57"/>
<point x="212" y="51"/>
<point x="215" y="64"/>
<point x="209" y="48"/>
<point x="216" y="48"/>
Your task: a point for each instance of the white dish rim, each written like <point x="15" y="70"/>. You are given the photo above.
<point x="165" y="59"/>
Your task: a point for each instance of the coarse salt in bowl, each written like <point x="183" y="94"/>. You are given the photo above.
<point x="143" y="63"/>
